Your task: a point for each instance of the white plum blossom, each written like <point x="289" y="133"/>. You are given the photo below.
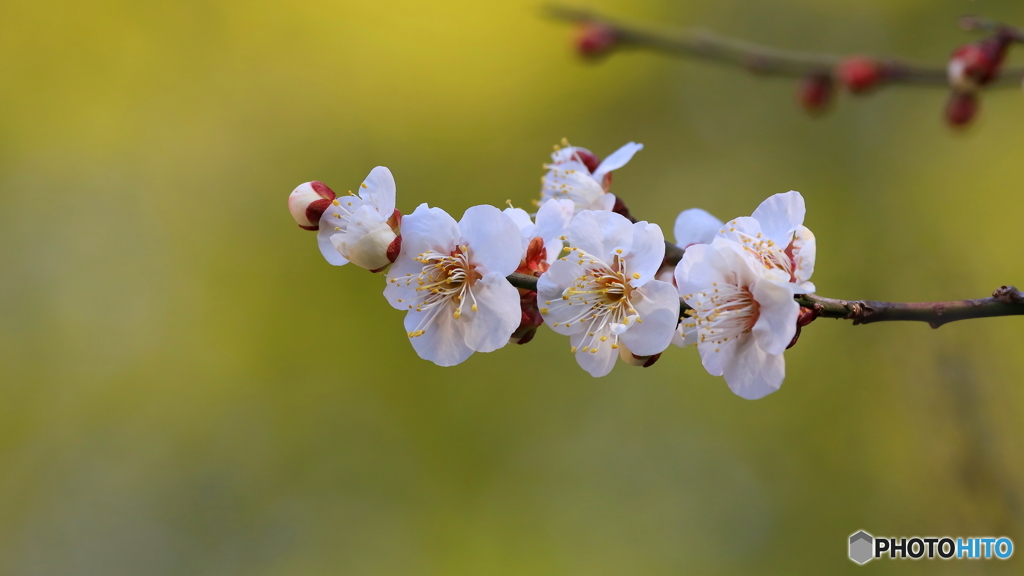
<point x="743" y="314"/>
<point x="776" y="235"/>
<point x="450" y="278"/>
<point x="359" y="229"/>
<point x="547" y="233"/>
<point x="575" y="174"/>
<point x="603" y="292"/>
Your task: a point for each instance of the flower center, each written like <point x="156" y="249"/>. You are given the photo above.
<point x="723" y="313"/>
<point x="771" y="254"/>
<point x="445" y="280"/>
<point x="602" y="294"/>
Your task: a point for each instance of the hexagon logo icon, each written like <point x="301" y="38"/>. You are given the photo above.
<point x="861" y="547"/>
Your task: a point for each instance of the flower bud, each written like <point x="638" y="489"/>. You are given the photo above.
<point x="859" y="74"/>
<point x="961" y="108"/>
<point x="308" y="202"/>
<point x="531" y="318"/>
<point x="816" y="93"/>
<point x="366" y="244"/>
<point x="633" y="360"/>
<point x="594" y="39"/>
<point x="977" y="64"/>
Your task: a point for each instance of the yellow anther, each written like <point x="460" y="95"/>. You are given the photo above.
<point x="335" y="202"/>
<point x="615" y="346"/>
<point x="457" y="314"/>
<point x="604" y="338"/>
<point x="636" y="275"/>
<point x="573" y="349"/>
<point x="543" y="310"/>
<point x="473" y="307"/>
<point x="364" y="185"/>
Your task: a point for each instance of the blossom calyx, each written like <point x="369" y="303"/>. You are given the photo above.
<point x="308" y="202"/>
<point x="961" y="108"/>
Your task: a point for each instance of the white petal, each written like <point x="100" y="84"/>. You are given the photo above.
<point x="379" y="190"/>
<point x="752" y="373"/>
<point x="598" y="363"/>
<point x="702" y="265"/>
<point x="695" y="226"/>
<point x="553" y="219"/>
<point x="604" y="202"/>
<point x="428" y="229"/>
<point x="804" y="251"/>
<point x="397" y="292"/>
<point x="617" y="160"/>
<point x="714" y="357"/>
<point x="601" y="233"/>
<point x="332" y="222"/>
<point x="488" y="233"/>
<point x="646" y="253"/>
<point x="776" y="325"/>
<point x="497" y="315"/>
<point x="443" y="342"/>
<point x="523" y="221"/>
<point x="779" y="215"/>
<point x="659" y="313"/>
<point x="370" y="250"/>
<point x="553" y="309"/>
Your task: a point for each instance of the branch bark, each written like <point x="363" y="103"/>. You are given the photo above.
<point x="771" y="61"/>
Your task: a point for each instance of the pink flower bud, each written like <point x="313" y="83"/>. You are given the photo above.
<point x="531" y="318"/>
<point x="816" y="93"/>
<point x="308" y="202"/>
<point x="961" y="108"/>
<point x="977" y="64"/>
<point x="859" y="74"/>
<point x="594" y="39"/>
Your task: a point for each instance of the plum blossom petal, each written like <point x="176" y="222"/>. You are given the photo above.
<point x="695" y="226"/>
<point x="597" y="361"/>
<point x="489" y="232"/>
<point x="337" y="215"/>
<point x="658" y="311"/>
<point x="752" y="373"/>
<point x="495" y="316"/>
<point x="617" y="159"/>
<point x="379" y="190"/>
<point x="780" y="214"/>
<point x="428" y="229"/>
<point x="553" y="219"/>
<point x="443" y="344"/>
<point x="775" y="326"/>
<point x="601" y="233"/>
<point x="647" y="252"/>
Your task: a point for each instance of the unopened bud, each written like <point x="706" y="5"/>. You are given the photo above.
<point x="961" y="108"/>
<point x="594" y="39"/>
<point x="859" y="74"/>
<point x="633" y="360"/>
<point x="977" y="64"/>
<point x="530" y="319"/>
<point x="308" y="202"/>
<point x="816" y="93"/>
<point x="366" y="245"/>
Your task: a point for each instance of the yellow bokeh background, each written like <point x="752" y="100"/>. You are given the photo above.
<point x="188" y="388"/>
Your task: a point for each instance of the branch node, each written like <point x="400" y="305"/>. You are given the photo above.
<point x="1008" y="295"/>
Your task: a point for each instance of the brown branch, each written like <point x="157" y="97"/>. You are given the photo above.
<point x="1006" y="301"/>
<point x="771" y="61"/>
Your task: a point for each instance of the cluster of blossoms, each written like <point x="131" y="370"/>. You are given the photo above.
<point x="591" y="272"/>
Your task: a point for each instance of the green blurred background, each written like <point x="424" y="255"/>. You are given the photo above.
<point x="188" y="388"/>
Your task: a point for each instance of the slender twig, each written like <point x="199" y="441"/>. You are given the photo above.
<point x="773" y="61"/>
<point x="1006" y="301"/>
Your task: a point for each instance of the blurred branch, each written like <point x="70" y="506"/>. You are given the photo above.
<point x="767" y="60"/>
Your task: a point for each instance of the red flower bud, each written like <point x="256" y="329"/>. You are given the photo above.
<point x="594" y="39"/>
<point x="859" y="74"/>
<point x="977" y="64"/>
<point x="395" y="248"/>
<point x="308" y="202"/>
<point x="961" y="108"/>
<point x="816" y="93"/>
<point x="530" y="320"/>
